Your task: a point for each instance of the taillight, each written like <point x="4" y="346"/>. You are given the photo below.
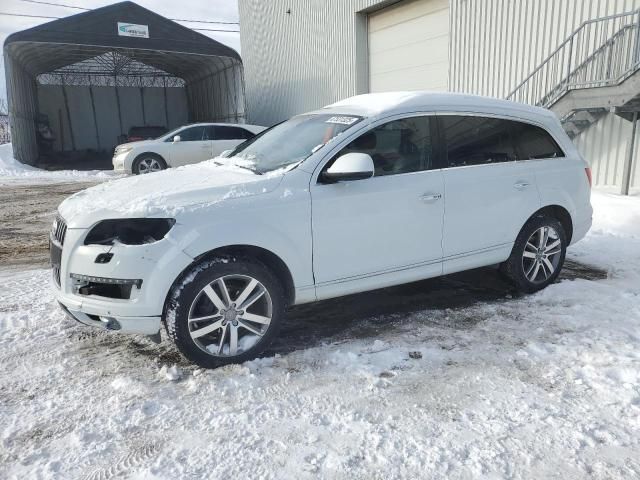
<point x="587" y="170"/>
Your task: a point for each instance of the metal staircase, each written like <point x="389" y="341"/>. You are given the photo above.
<point x="594" y="71"/>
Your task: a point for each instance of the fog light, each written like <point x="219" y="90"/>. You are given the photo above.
<point x="112" y="281"/>
<point x="111" y="323"/>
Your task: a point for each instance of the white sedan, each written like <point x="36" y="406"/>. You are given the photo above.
<point x="182" y="146"/>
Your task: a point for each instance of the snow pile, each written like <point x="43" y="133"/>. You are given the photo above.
<point x="14" y="171"/>
<point x="614" y="239"/>
<point x="10" y="164"/>
<point x="540" y="386"/>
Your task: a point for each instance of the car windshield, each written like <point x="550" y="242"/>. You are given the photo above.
<point x="290" y="142"/>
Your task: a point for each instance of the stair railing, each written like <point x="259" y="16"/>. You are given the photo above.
<point x="600" y="52"/>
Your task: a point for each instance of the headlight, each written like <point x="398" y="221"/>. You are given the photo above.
<point x="131" y="231"/>
<point x="120" y="150"/>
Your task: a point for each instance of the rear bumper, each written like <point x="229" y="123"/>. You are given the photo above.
<point x="580" y="230"/>
<point x="141" y="325"/>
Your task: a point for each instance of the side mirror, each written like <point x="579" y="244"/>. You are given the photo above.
<point x="176" y="138"/>
<point x="348" y="167"/>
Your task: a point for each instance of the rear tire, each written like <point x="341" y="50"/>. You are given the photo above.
<point x="225" y="310"/>
<point x="148" y="163"/>
<point x="537" y="255"/>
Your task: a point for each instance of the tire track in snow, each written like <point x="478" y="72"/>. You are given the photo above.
<point x="136" y="457"/>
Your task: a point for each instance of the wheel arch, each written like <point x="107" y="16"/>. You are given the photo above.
<point x="559" y="213"/>
<point x="268" y="258"/>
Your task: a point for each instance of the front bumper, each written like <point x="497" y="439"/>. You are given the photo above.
<point x="122" y="163"/>
<point x="141" y="325"/>
<point x="157" y="264"/>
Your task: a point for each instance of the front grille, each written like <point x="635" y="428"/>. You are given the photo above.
<point x="56" y="274"/>
<point x="56" y="240"/>
<point x="59" y="230"/>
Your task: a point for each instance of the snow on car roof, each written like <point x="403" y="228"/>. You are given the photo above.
<point x="372" y="104"/>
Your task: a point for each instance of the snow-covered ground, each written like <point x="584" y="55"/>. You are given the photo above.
<point x="540" y="386"/>
<point x="12" y="171"/>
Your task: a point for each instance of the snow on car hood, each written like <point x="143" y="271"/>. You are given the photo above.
<point x="165" y="194"/>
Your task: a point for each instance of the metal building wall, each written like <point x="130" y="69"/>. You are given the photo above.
<point x="604" y="145"/>
<point x="495" y="44"/>
<point x="299" y="56"/>
<point x="319" y="47"/>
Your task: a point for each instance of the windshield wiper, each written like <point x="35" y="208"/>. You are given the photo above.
<point x="239" y="166"/>
<point x="247" y="168"/>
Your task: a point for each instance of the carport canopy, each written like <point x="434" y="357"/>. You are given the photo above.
<point x="212" y="72"/>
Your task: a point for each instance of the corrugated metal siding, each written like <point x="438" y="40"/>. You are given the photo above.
<point x="604" y="145"/>
<point x="495" y="44"/>
<point x="302" y="60"/>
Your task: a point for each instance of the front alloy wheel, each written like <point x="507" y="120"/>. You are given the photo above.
<point x="229" y="315"/>
<point x="148" y="165"/>
<point x="225" y="310"/>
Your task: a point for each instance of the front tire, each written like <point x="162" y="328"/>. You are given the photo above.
<point x="225" y="310"/>
<point x="538" y="254"/>
<point x="148" y="163"/>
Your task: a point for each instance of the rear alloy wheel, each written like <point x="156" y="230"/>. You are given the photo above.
<point x="227" y="313"/>
<point x="148" y="164"/>
<point x="538" y="254"/>
<point x="541" y="254"/>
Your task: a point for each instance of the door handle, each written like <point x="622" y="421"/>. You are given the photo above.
<point x="430" y="197"/>
<point x="521" y="185"/>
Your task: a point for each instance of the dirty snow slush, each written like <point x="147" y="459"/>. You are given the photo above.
<point x="452" y="378"/>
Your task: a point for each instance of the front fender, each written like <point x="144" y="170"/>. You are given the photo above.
<point x="281" y="227"/>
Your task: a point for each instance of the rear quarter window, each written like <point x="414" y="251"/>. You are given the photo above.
<point x="533" y="142"/>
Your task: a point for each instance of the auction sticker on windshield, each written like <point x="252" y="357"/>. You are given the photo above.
<point x="343" y="120"/>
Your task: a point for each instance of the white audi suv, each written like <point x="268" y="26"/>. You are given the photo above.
<point x="373" y="191"/>
<point x="185" y="145"/>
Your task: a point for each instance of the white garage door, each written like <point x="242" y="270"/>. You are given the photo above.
<point x="409" y="46"/>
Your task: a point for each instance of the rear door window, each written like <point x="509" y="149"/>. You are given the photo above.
<point x="472" y="140"/>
